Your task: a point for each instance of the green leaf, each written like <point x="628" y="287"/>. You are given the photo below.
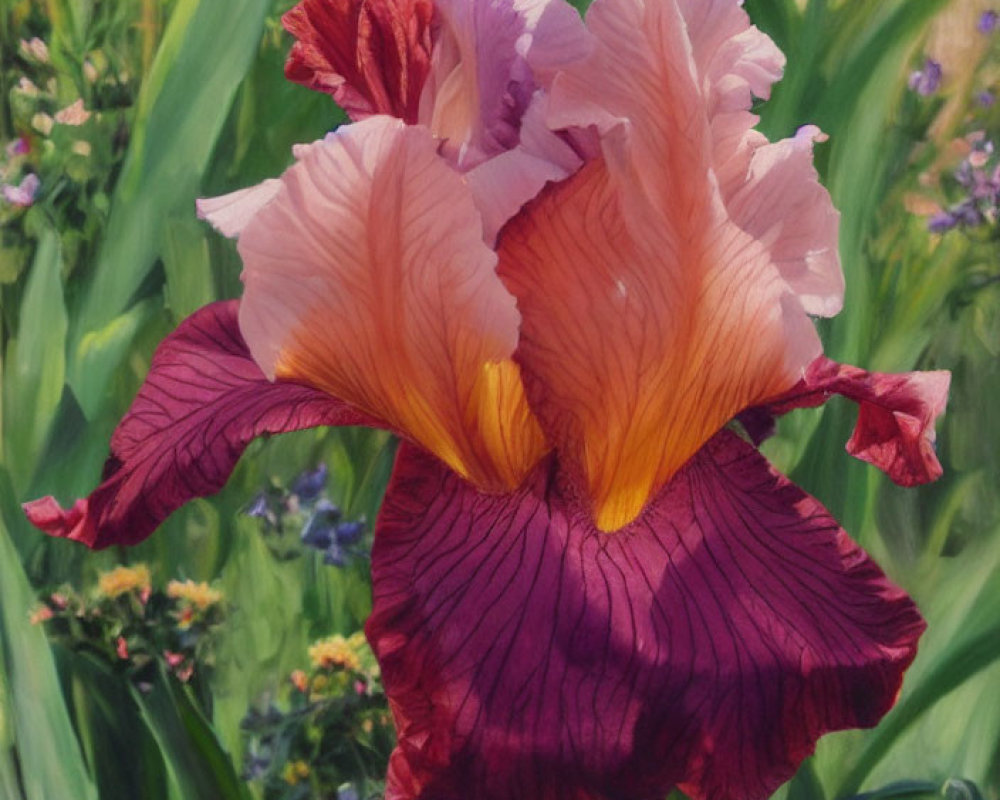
<point x="102" y="350"/>
<point x="806" y="785"/>
<point x="898" y="790"/>
<point x="36" y="363"/>
<point x="48" y="751"/>
<point x="955" y="666"/>
<point x="194" y="757"/>
<point x="182" y="108"/>
<point x="187" y="266"/>
<point x="109" y="723"/>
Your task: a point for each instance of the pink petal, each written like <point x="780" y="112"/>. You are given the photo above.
<point x="633" y="276"/>
<point x="230" y="213"/>
<point x="203" y="400"/>
<point x="488" y="59"/>
<point x="22" y="195"/>
<point x="896" y="416"/>
<point x="708" y="645"/>
<point x="691" y="113"/>
<point x="781" y="202"/>
<point x="733" y="60"/>
<point x="367" y="277"/>
<point x="371" y="56"/>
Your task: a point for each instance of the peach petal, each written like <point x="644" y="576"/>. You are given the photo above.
<point x="651" y="316"/>
<point x="367" y="277"/>
<point x="637" y="345"/>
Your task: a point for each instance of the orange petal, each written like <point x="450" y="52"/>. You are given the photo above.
<point x="650" y="316"/>
<point x="367" y="276"/>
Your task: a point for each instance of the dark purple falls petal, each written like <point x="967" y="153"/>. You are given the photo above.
<point x="896" y="415"/>
<point x="708" y="645"/>
<point x="202" y="402"/>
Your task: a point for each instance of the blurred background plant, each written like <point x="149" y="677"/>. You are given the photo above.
<point x="191" y="677"/>
<point x="334" y="737"/>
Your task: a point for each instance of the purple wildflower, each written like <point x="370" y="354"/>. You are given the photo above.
<point x="24" y="194"/>
<point x="989" y="21"/>
<point x="18" y="147"/>
<point x="942" y="222"/>
<point x="985" y="98"/>
<point x="967" y="214"/>
<point x="925" y="81"/>
<point x="258" y="507"/>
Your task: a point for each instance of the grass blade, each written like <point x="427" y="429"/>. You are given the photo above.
<point x="182" y="108"/>
<point x="49" y="754"/>
<point x="201" y="768"/>
<point x="36" y="362"/>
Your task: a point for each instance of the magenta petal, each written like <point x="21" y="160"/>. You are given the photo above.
<point x="896" y="415"/>
<point x="707" y="645"/>
<point x="203" y="400"/>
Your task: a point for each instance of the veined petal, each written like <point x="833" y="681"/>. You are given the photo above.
<point x="488" y="59"/>
<point x="714" y="72"/>
<point x="651" y="316"/>
<point x="896" y="416"/>
<point x="527" y="655"/>
<point x="781" y="203"/>
<point x="367" y="277"/>
<point x="202" y="402"/>
<point x="372" y="56"/>
<point x="733" y="60"/>
<point x="230" y="213"/>
<point x="637" y="345"/>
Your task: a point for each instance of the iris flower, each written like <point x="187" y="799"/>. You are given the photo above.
<point x="557" y="259"/>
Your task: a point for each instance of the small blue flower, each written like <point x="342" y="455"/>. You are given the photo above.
<point x="320" y="529"/>
<point x="989" y="21"/>
<point x="310" y="483"/>
<point x="348" y="792"/>
<point x="350" y="532"/>
<point x="335" y="556"/>
<point x="258" y="507"/>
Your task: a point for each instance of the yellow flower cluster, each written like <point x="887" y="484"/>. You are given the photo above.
<point x="122" y="580"/>
<point x="295" y="771"/>
<point x="200" y="595"/>
<point x="335" y="651"/>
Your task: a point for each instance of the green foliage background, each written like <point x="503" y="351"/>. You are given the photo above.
<point x="111" y="258"/>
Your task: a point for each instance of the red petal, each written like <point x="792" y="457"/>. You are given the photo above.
<point x="708" y="645"/>
<point x="371" y="57"/>
<point x="203" y="400"/>
<point x="895" y="428"/>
